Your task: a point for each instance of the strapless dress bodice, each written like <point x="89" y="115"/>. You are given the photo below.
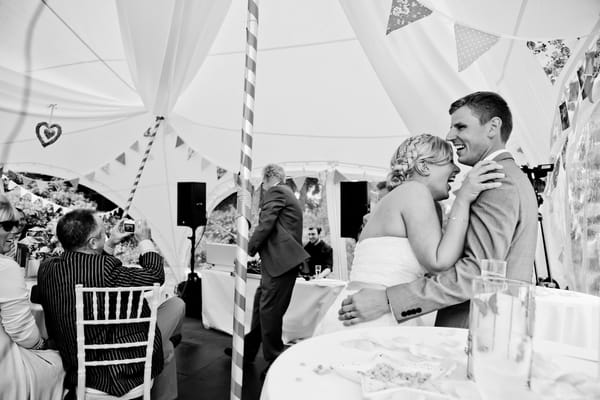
<point x="385" y="261"/>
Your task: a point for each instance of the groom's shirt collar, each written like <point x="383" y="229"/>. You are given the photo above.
<point x="495" y="154"/>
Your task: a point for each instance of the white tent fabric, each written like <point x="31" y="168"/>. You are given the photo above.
<point x="333" y="91"/>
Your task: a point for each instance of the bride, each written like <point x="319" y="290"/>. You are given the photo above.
<point x="403" y="238"/>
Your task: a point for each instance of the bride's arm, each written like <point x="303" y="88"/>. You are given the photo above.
<point x="437" y="251"/>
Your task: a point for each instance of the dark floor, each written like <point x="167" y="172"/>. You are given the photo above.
<point x="204" y="371"/>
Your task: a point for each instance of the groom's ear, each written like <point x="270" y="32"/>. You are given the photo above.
<point x="494" y="127"/>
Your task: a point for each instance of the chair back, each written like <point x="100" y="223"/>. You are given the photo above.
<point x="110" y="306"/>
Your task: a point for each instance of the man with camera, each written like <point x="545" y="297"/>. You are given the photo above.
<point x="88" y="260"/>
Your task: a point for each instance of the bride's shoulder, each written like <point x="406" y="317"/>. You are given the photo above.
<point x="410" y="189"/>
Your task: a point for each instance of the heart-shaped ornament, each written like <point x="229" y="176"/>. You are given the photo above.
<point x="47" y="134"/>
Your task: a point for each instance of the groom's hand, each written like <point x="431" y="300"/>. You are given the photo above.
<point x="364" y="305"/>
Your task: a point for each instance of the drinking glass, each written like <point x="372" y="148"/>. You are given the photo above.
<point x="492" y="267"/>
<point x="501" y="330"/>
<point x="317" y="271"/>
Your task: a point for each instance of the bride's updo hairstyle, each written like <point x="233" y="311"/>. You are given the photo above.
<point x="412" y="155"/>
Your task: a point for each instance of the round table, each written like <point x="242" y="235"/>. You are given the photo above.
<point x="314" y="369"/>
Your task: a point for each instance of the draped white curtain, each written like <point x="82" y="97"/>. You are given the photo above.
<point x="165" y="45"/>
<point x="417" y="66"/>
<point x="338" y="244"/>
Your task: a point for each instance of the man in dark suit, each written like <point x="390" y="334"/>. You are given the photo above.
<point x="502" y="225"/>
<point x="88" y="260"/>
<point x="319" y="251"/>
<point x="278" y="240"/>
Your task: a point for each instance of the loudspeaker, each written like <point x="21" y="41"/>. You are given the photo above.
<point x="354" y="198"/>
<point x="191" y="204"/>
<point x="190" y="292"/>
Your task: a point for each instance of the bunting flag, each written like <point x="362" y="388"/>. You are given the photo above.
<point x="471" y="44"/>
<point x="191" y="153"/>
<point x="404" y="12"/>
<point x="337" y="176"/>
<point x="90" y="176"/>
<point x="178" y="142"/>
<point x="74" y="183"/>
<point x="106" y="168"/>
<point x="121" y="158"/>
<point x="221" y="172"/>
<point x="299" y="181"/>
<point x="135" y="146"/>
<point x="11" y="185"/>
<point x="204" y="164"/>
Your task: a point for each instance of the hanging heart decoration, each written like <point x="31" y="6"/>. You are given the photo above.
<point x="47" y="134"/>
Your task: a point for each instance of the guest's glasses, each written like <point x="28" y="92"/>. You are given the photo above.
<point x="9" y="226"/>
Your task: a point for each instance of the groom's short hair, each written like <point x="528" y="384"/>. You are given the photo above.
<point x="487" y="105"/>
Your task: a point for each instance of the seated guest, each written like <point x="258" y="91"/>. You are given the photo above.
<point x="29" y="372"/>
<point x="320" y="252"/>
<point x="88" y="260"/>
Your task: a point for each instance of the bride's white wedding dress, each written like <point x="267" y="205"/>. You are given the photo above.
<point x="384" y="261"/>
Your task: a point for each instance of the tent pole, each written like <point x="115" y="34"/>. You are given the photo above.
<point x="244" y="202"/>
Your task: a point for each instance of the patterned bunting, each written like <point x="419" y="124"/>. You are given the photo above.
<point x="221" y="172"/>
<point x="471" y="44"/>
<point x="404" y="12"/>
<point x="178" y="142"/>
<point x="191" y="153"/>
<point x="121" y="158"/>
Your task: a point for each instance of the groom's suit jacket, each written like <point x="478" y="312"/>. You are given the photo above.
<point x="502" y="225"/>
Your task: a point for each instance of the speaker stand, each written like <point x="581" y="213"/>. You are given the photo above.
<point x="191" y="291"/>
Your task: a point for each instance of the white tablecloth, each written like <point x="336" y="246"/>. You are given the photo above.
<point x="569" y="318"/>
<point x="304" y="371"/>
<point x="310" y="300"/>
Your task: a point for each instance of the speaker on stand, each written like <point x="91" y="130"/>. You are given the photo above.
<point x="354" y="198"/>
<point x="191" y="212"/>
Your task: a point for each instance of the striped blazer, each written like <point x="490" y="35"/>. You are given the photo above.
<point x="57" y="278"/>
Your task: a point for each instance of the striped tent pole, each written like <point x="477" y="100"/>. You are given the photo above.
<point x="150" y="133"/>
<point x="244" y="203"/>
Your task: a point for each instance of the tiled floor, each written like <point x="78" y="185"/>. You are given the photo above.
<point x="205" y="371"/>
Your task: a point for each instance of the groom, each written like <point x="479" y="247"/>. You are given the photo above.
<point x="502" y="225"/>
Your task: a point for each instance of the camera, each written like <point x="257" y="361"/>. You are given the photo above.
<point x="128" y="226"/>
<point x="537" y="176"/>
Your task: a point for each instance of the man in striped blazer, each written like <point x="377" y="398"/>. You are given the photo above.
<point x="88" y="260"/>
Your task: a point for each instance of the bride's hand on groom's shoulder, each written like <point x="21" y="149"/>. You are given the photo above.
<point x="364" y="305"/>
<point x="483" y="176"/>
